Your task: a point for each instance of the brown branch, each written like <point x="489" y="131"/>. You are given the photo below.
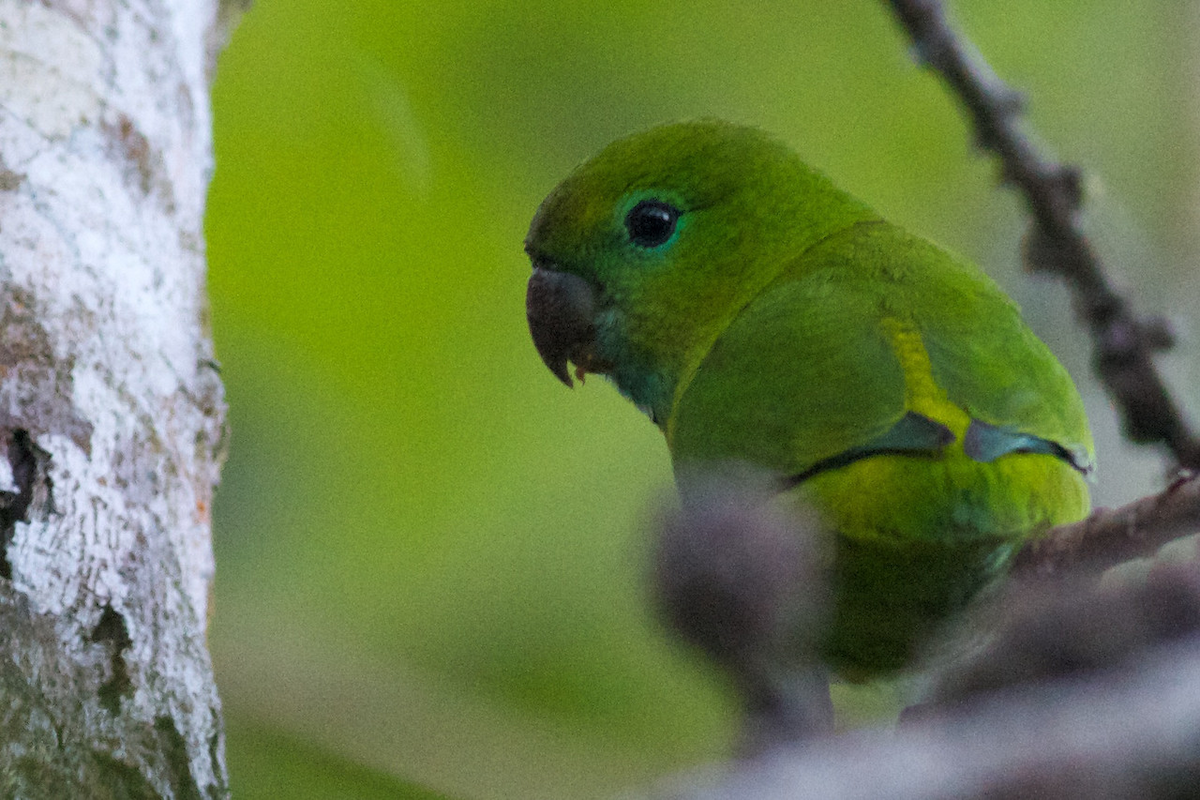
<point x="1123" y="344"/>
<point x="1112" y="536"/>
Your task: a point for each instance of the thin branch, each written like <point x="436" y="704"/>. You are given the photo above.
<point x="1112" y="536"/>
<point x="1123" y="344"/>
<point x="1039" y="631"/>
<point x="1124" y="734"/>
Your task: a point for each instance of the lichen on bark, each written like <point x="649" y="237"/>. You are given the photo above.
<point x="111" y="408"/>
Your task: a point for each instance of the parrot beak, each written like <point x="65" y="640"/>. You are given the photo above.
<point x="560" y="308"/>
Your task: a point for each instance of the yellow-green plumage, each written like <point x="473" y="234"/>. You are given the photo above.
<point x="784" y="324"/>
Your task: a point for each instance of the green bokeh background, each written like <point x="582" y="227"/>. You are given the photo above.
<point x="430" y="553"/>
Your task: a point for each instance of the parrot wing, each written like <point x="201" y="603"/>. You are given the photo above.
<point x="1019" y="398"/>
<point x="802" y="375"/>
<point x="876" y="341"/>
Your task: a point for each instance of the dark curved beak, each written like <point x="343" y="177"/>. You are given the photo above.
<point x="560" y="308"/>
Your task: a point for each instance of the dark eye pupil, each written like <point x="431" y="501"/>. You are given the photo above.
<point x="651" y="222"/>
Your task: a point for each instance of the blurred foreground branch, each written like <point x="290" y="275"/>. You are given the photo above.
<point x="1056" y="243"/>
<point x="1081" y="689"/>
<point x="1131" y="735"/>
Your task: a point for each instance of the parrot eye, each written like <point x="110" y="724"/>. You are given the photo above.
<point x="651" y="223"/>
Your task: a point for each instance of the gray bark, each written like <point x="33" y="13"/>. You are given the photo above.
<point x="111" y="408"/>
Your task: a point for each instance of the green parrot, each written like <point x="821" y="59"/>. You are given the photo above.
<point x="758" y="314"/>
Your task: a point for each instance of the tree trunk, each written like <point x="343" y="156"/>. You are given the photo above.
<point x="111" y="407"/>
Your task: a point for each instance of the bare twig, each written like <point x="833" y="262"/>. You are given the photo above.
<point x="1056" y="243"/>
<point x="1044" y="630"/>
<point x="1129" y="734"/>
<point x="1111" y="536"/>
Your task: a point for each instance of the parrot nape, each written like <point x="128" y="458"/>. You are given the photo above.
<point x="756" y="313"/>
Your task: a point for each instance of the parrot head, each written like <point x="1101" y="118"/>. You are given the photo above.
<point x="644" y="253"/>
